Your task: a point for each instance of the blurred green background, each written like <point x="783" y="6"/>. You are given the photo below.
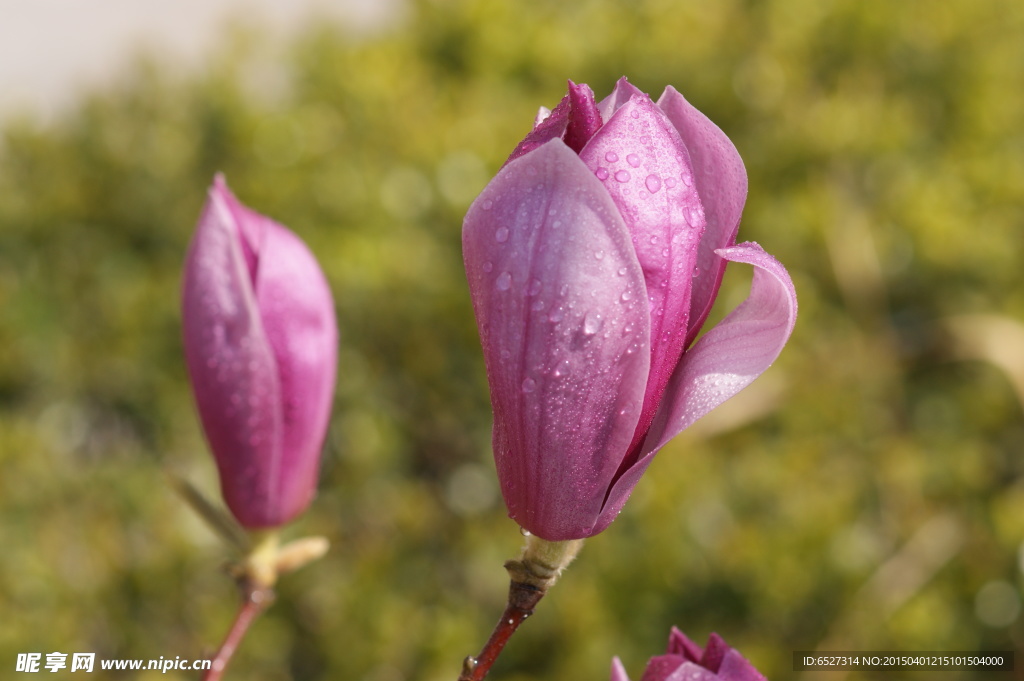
<point x="867" y="493"/>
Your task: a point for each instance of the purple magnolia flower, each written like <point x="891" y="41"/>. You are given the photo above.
<point x="261" y="346"/>
<point x="593" y="259"/>
<point x="685" y="661"/>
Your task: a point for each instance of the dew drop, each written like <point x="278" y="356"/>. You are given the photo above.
<point x="504" y="281"/>
<point x="696" y="271"/>
<point x="501" y="235"/>
<point x="670" y="182"/>
<point x="599" y="255"/>
<point x="633" y="160"/>
<point x="556" y="315"/>
<point x="693" y="217"/>
<point x="622" y="176"/>
<point x="611" y="157"/>
<point x="535" y="287"/>
<point x="529" y="385"/>
<point x="488" y="266"/>
<point x="622" y="271"/>
<point x="687" y="180"/>
<point x="591" y="323"/>
<point x="562" y="369"/>
<point x="653" y="183"/>
<point x="488" y="204"/>
<point x="626" y="295"/>
<point x="601" y="173"/>
<point x="654" y="238"/>
<point x="563" y="290"/>
<point x="635" y="113"/>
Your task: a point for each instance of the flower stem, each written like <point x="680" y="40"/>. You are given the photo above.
<point x="255" y="599"/>
<point x="532" y="575"/>
<point x="522" y="599"/>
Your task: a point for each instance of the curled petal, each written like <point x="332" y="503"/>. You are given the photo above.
<point x="721" y="182"/>
<point x="735" y="352"/>
<point x="723" y="362"/>
<point x="559" y="299"/>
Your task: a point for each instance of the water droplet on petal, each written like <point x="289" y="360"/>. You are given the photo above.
<point x="488" y="266"/>
<point x="535" y="287"/>
<point x="635" y="113"/>
<point x="622" y="176"/>
<point x="488" y="204"/>
<point x="504" y="281"/>
<point x="611" y="157"/>
<point x="622" y="271"/>
<point x="670" y="182"/>
<point x="529" y="385"/>
<point x="694" y="217"/>
<point x="501" y="235"/>
<point x="591" y="323"/>
<point x="557" y="314"/>
<point x="653" y="183"/>
<point x="599" y="255"/>
<point x="602" y="173"/>
<point x="562" y="369"/>
<point x="633" y="160"/>
<point x="626" y="295"/>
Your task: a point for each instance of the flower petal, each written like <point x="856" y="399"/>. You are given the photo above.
<point x="722" y="184"/>
<point x="230" y="361"/>
<point x="680" y="644"/>
<point x="732" y="354"/>
<point x="618" y="671"/>
<point x="298" y="315"/>
<point x="691" y="671"/>
<point x="558" y="296"/>
<point x="545" y="129"/>
<point x="723" y="362"/>
<point x="641" y="160"/>
<point x="660" y="667"/>
<point x="735" y="667"/>
<point x="621" y="94"/>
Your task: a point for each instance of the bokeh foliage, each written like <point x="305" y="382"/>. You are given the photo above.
<point x="866" y="493"/>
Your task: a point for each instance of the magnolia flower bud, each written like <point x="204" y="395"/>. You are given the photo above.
<point x="593" y="260"/>
<point x="260" y="341"/>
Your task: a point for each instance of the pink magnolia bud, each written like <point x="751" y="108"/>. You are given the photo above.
<point x="593" y="259"/>
<point x="685" y="661"/>
<point x="260" y="341"/>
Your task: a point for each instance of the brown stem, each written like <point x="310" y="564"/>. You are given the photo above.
<point x="522" y="599"/>
<point x="255" y="599"/>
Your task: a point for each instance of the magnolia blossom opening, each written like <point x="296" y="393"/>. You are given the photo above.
<point x="593" y="260"/>
<point x="686" y="661"/>
<point x="260" y="340"/>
